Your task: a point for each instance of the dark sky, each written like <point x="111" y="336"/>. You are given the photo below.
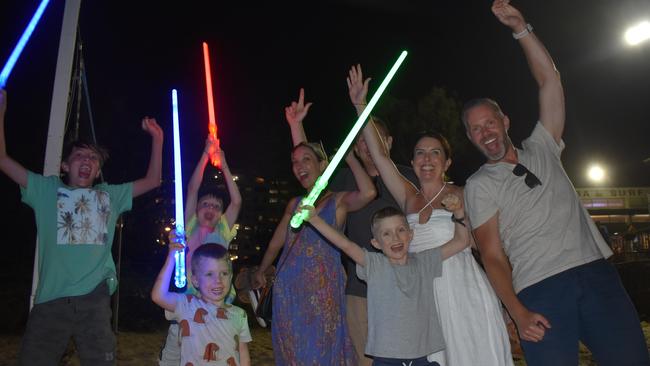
<point x="262" y="55"/>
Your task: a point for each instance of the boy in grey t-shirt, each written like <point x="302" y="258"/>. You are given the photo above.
<point x="403" y="323"/>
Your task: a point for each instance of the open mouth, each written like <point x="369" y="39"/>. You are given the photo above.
<point x="490" y="141"/>
<point x="302" y="175"/>
<point x="84" y="171"/>
<point x="396" y="248"/>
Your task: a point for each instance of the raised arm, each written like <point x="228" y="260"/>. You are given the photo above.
<point x="277" y="240"/>
<point x="349" y="247"/>
<point x="398" y="186"/>
<point x="8" y="165"/>
<point x="232" y="212"/>
<point x="366" y="191"/>
<point x="453" y="202"/>
<point x="551" y="93"/>
<point x="154" y="172"/>
<point x="196" y="179"/>
<point x="531" y="326"/>
<point x="160" y="292"/>
<point x="295" y="114"/>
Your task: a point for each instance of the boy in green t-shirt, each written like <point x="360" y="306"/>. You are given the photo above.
<point x="75" y="221"/>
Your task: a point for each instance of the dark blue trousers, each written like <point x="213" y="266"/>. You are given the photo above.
<point x="586" y="303"/>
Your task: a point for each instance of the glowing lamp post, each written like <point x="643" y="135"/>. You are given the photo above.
<point x="638" y="34"/>
<point x="321" y="182"/>
<point x="180" y="278"/>
<point x="11" y="62"/>
<point x="596" y="173"/>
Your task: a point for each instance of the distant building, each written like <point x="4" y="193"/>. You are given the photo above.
<point x="264" y="201"/>
<point x="622" y="215"/>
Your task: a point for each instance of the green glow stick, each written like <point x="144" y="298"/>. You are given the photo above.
<point x="322" y="181"/>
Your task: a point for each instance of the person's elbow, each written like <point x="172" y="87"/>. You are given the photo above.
<point x="155" y="296"/>
<point x="369" y="194"/>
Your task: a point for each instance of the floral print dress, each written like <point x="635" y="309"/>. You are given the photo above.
<point x="309" y="326"/>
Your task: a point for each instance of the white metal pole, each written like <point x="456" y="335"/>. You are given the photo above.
<point x="58" y="109"/>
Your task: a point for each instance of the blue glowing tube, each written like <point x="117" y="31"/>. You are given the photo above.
<point x="180" y="278"/>
<point x="11" y="62"/>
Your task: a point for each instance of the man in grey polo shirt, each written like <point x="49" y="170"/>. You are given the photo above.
<point x="542" y="252"/>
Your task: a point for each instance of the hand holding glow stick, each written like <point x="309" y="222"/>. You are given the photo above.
<point x="212" y="119"/>
<point x="180" y="279"/>
<point x="11" y="62"/>
<point x="321" y="182"/>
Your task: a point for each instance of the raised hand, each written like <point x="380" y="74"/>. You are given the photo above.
<point x="152" y="128"/>
<point x="451" y="202"/>
<point x="357" y="87"/>
<point x="175" y="243"/>
<point x="297" y="111"/>
<point x="310" y="211"/>
<point x="508" y="15"/>
<point x="211" y="146"/>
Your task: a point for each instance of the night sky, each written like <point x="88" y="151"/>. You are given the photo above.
<point x="262" y="55"/>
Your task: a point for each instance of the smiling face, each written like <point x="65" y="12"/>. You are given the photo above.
<point x="430" y="162"/>
<point x="306" y="166"/>
<point x="209" y="210"/>
<point x="487" y="128"/>
<point x="82" y="167"/>
<point x="212" y="277"/>
<point x="392" y="235"/>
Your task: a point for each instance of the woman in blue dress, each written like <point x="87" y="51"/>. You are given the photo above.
<point x="309" y="326"/>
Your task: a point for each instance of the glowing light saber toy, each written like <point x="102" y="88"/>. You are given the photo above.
<point x="11" y="62"/>
<point x="321" y="182"/>
<point x="212" y="122"/>
<point x="180" y="278"/>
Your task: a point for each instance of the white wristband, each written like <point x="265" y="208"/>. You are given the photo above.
<point x="523" y="33"/>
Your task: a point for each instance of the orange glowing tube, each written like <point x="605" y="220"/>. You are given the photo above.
<point x="212" y="119"/>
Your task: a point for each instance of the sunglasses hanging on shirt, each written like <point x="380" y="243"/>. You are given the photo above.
<point x="531" y="179"/>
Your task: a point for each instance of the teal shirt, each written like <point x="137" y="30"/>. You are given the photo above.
<point x="75" y="234"/>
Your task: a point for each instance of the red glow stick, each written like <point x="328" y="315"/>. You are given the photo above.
<point x="212" y="122"/>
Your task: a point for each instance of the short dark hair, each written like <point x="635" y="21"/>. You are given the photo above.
<point x="211" y="191"/>
<point x="84" y="144"/>
<point x="382" y="213"/>
<point x="317" y="149"/>
<point x="479" y="102"/>
<point x="210" y="250"/>
<point x="446" y="147"/>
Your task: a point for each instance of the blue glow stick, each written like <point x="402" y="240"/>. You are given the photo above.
<point x="11" y="62"/>
<point x="321" y="182"/>
<point x="180" y="278"/>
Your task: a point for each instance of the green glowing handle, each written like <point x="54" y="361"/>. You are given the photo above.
<point x="301" y="215"/>
<point x="321" y="182"/>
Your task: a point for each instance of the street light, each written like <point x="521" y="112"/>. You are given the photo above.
<point x="638" y="34"/>
<point x="596" y="173"/>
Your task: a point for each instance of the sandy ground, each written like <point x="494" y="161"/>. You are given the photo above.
<point x="141" y="349"/>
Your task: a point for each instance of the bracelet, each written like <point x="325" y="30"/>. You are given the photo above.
<point x="459" y="220"/>
<point x="528" y="30"/>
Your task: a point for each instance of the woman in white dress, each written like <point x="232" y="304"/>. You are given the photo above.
<point x="470" y="313"/>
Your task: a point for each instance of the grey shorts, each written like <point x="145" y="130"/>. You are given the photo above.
<point x="86" y="318"/>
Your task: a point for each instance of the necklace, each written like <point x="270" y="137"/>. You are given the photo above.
<point x="433" y="199"/>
